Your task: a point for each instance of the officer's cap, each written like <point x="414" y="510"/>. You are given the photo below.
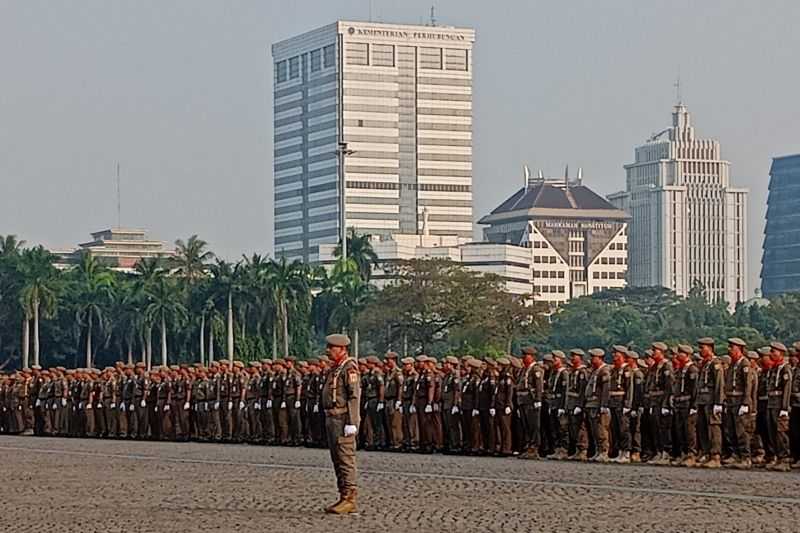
<point x="547" y="357"/>
<point x="736" y="341"/>
<point x="658" y="345"/>
<point x="503" y="361"/>
<point x="596" y="352"/>
<point x="254" y="364"/>
<point x="36" y="367"/>
<point x="337" y="339"/>
<point x="238" y="364"/>
<point x="140" y="365"/>
<point x="475" y="363"/>
<point x="685" y="348"/>
<point x="778" y="346"/>
<point x="391" y="355"/>
<point x="408" y="361"/>
<point x="373" y="360"/>
<point x="516" y="363"/>
<point x="752" y="355"/>
<point x="632" y="354"/>
<point x="577" y="351"/>
<point x="452" y="360"/>
<point x="324" y="359"/>
<point x="764" y="350"/>
<point x="559" y="354"/>
<point x="708" y="341"/>
<point x="421" y="358"/>
<point x="291" y="358"/>
<point x="529" y="350"/>
<point x="620" y="348"/>
<point x="648" y="353"/>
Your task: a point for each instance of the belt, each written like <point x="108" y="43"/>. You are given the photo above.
<point x="336" y="411"/>
<point x="573" y="394"/>
<point x="617" y="393"/>
<point x="735" y="393"/>
<point x="775" y="393"/>
<point x="681" y="398"/>
<point x="657" y="393"/>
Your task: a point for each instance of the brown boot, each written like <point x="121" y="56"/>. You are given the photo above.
<point x="713" y="462"/>
<point x="689" y="461"/>
<point x="348" y="505"/>
<point x="331" y="507"/>
<point x="635" y="457"/>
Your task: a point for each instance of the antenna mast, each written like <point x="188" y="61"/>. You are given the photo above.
<point x="119" y="201"/>
<point x="433" y="16"/>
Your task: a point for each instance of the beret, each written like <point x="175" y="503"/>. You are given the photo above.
<point x="475" y="363"/>
<point x="633" y="355"/>
<point x="620" y="348"/>
<point x="238" y="364"/>
<point x="503" y="361"/>
<point x="547" y="357"/>
<point x="685" y="348"/>
<point x="408" y="361"/>
<point x="559" y="354"/>
<point x="764" y="350"/>
<point x="421" y="358"/>
<point x="577" y="351"/>
<point x="452" y="360"/>
<point x="736" y="341"/>
<point x="778" y="346"/>
<point x="708" y="341"/>
<point x="391" y="355"/>
<point x="337" y="339"/>
<point x="659" y="346"/>
<point x="596" y="352"/>
<point x="752" y="355"/>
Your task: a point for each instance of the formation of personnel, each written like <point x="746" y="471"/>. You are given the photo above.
<point x="676" y="405"/>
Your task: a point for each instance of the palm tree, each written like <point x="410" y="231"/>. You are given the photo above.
<point x="290" y="285"/>
<point x="165" y="307"/>
<point x="125" y="310"/>
<point x="191" y="258"/>
<point x="148" y="270"/>
<point x="39" y="294"/>
<point x="10" y="245"/>
<point x="360" y="251"/>
<point x="350" y="295"/>
<point x="94" y="286"/>
<point x="225" y="283"/>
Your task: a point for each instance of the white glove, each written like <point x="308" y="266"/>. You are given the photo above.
<point x="625" y="411"/>
<point x="283" y="405"/>
<point x="316" y="408"/>
<point x="743" y="410"/>
<point x="692" y="412"/>
<point x="577" y="411"/>
<point x="269" y="404"/>
<point x="412" y="409"/>
<point x="604" y="411"/>
<point x="80" y="405"/>
<point x="38" y="403"/>
<point x="537" y="405"/>
<point x="380" y="406"/>
<point x="230" y="406"/>
<point x="454" y="410"/>
<point x="88" y="405"/>
<point x="143" y="404"/>
<point x="166" y="408"/>
<point x="130" y="408"/>
<point x="436" y="408"/>
<point x="216" y="406"/>
<point x="492" y="412"/>
<point x="560" y="412"/>
<point x="122" y="406"/>
<point x="641" y="411"/>
<point x="783" y="414"/>
<point x="257" y="406"/>
<point x="241" y="405"/>
<point x="186" y="406"/>
<point x="99" y="406"/>
<point x="55" y="406"/>
<point x="63" y="402"/>
<point x="507" y="410"/>
<point x="400" y="409"/>
<point x="475" y="412"/>
<point x="665" y="411"/>
<point x="398" y="405"/>
<point x="349" y="430"/>
<point x="717" y="409"/>
<point x="297" y="404"/>
<point x="635" y="413"/>
<point x="428" y="408"/>
<point x="113" y="406"/>
<point x="156" y="408"/>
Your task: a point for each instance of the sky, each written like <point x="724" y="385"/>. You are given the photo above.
<point x="179" y="93"/>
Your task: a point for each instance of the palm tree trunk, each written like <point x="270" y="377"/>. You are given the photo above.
<point x="202" y="339"/>
<point x="274" y="340"/>
<point x="163" y="341"/>
<point x="89" y="342"/>
<point x="243" y="318"/>
<point x="36" y="331"/>
<point x="143" y="344"/>
<point x="26" y="341"/>
<point x="130" y="353"/>
<point x="211" y="344"/>
<point x="284" y="312"/>
<point x="230" y="326"/>
<point x="149" y="339"/>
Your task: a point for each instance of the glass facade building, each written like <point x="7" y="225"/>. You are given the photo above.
<point x="780" y="262"/>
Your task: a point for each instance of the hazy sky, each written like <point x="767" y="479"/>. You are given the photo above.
<point x="180" y="93"/>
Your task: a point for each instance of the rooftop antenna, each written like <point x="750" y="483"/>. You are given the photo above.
<point x="580" y="176"/>
<point x="527" y="173"/>
<point x="119" y="201"/>
<point x="541" y="175"/>
<point x="566" y="176"/>
<point x="677" y="86"/>
<point x="433" y="16"/>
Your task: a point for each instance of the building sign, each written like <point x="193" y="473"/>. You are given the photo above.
<point x="578" y="225"/>
<point x="408" y="35"/>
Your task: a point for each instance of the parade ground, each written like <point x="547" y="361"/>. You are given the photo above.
<point x="81" y="485"/>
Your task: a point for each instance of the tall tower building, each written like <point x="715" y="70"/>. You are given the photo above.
<point x="688" y="224"/>
<point x="780" y="263"/>
<point x="400" y="97"/>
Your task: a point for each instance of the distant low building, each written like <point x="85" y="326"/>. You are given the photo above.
<point x="118" y="248"/>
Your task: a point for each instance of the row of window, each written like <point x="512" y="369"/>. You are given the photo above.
<point x="554" y="274"/>
<point x="555" y="289"/>
<point x="382" y="185"/>
<point x="383" y="55"/>
<point x="608" y="275"/>
<point x="551" y="259"/>
<point x="618" y="246"/>
<point x="540" y="244"/>
<point x="613" y="260"/>
<point x="289" y="69"/>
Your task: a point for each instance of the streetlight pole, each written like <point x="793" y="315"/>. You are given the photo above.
<point x="342" y="151"/>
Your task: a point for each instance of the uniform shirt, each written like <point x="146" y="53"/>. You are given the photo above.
<point x="394" y="384"/>
<point x="684" y="387"/>
<point x="711" y="383"/>
<point x="620" y="387"/>
<point x="530" y="385"/>
<point x="575" y="388"/>
<point x="470" y="387"/>
<point x="597" y="388"/>
<point x="739" y="382"/>
<point x="451" y="390"/>
<point x="779" y="387"/>
<point x="341" y="393"/>
<point x="505" y="391"/>
<point x="409" y="386"/>
<point x="487" y="389"/>
<point x="659" y="384"/>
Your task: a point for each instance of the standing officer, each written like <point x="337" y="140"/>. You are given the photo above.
<point x="620" y="403"/>
<point x="410" y="425"/>
<point x="684" y="397"/>
<point x="341" y="397"/>
<point x="710" y="399"/>
<point x="530" y="394"/>
<point x="423" y="404"/>
<point x="394" y="403"/>
<point x="265" y="395"/>
<point x="451" y="405"/>
<point x="292" y="391"/>
<point x="575" y="396"/>
<point x="596" y="399"/>
<point x="779" y="393"/>
<point x="486" y="406"/>
<point x="659" y="390"/>
<point x="739" y="385"/>
<point x="470" y="420"/>
<point x="279" y="411"/>
<point x="504" y="407"/>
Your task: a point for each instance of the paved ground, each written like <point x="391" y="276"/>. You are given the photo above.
<point x="112" y="486"/>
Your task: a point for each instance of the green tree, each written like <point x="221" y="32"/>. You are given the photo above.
<point x="165" y="307"/>
<point x="38" y="296"/>
<point x="360" y="251"/>
<point x="94" y="292"/>
<point x="290" y="287"/>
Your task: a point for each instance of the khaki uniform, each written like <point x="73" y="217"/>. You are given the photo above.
<point x="410" y="425"/>
<point x="740" y="381"/>
<point x="684" y="398"/>
<point x="394" y="408"/>
<point x="711" y="393"/>
<point x="451" y="407"/>
<point x="504" y="408"/>
<point x="530" y="395"/>
<point x="620" y="402"/>
<point x="779" y="389"/>
<point x="470" y="414"/>
<point x="596" y="399"/>
<point x="659" y="394"/>
<point x="576" y="395"/>
<point x="341" y="398"/>
<point x="486" y="405"/>
<point x="374" y="404"/>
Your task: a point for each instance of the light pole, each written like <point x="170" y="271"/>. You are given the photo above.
<point x="342" y="151"/>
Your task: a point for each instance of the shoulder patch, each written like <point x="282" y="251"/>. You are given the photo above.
<point x="352" y="377"/>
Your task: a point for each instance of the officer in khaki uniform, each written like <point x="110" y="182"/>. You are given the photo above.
<point x="451" y="405"/>
<point x="530" y="395"/>
<point x="341" y="399"/>
<point x="575" y="396"/>
<point x="409" y="411"/>
<point x="739" y="384"/>
<point x="504" y="407"/>
<point x="620" y="402"/>
<point x="779" y="389"/>
<point x="710" y="398"/>
<point x="394" y="403"/>
<point x="684" y="397"/>
<point x="596" y="400"/>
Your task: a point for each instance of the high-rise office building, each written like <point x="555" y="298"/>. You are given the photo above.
<point x="401" y="98"/>
<point x="780" y="262"/>
<point x="688" y="223"/>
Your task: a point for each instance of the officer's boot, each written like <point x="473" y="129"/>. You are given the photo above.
<point x="601" y="458"/>
<point x="623" y="458"/>
<point x="743" y="464"/>
<point x="330" y="508"/>
<point x="713" y="462"/>
<point x="348" y="504"/>
<point x="689" y="461"/>
<point x="636" y="457"/>
<point x="784" y="465"/>
<point x="731" y="459"/>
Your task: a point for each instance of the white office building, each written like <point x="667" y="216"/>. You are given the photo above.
<point x="400" y="96"/>
<point x="688" y="223"/>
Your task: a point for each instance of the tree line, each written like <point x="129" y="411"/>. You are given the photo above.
<point x="196" y="307"/>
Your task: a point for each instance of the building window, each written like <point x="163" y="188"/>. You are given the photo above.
<point x="357" y="53"/>
<point x="329" y="55"/>
<point x="561" y="289"/>
<point x="316" y="60"/>
<point x="430" y="58"/>
<point x="455" y="59"/>
<point x="280" y="71"/>
<point x="294" y="67"/>
<point x="596" y="275"/>
<point x="382" y="55"/>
